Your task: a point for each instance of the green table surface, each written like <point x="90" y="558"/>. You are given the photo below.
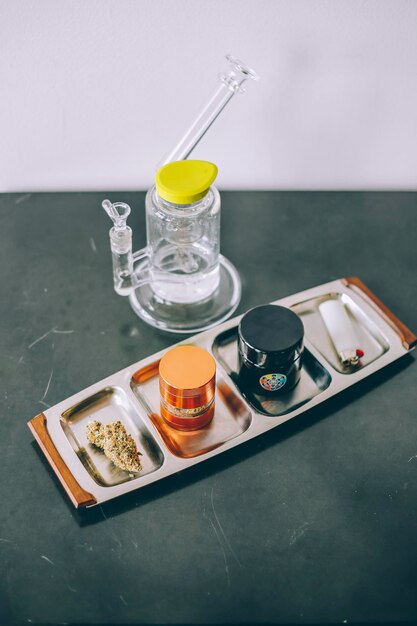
<point x="314" y="522"/>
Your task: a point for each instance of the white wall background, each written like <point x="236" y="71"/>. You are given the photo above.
<point x="94" y="92"/>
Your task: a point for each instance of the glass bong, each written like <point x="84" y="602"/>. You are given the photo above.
<point x="180" y="282"/>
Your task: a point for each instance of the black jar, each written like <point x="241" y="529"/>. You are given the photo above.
<point x="270" y="348"/>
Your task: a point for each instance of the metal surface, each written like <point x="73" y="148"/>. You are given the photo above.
<point x="313" y="380"/>
<point x="136" y="400"/>
<point x="232" y="417"/>
<point x="369" y="335"/>
<point x="107" y="406"/>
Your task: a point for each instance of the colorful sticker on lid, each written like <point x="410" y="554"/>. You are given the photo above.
<point x="272" y="382"/>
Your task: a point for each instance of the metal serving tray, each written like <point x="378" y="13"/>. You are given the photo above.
<point x="132" y="396"/>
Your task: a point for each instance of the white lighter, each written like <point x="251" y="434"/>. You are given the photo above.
<point x="341" y="331"/>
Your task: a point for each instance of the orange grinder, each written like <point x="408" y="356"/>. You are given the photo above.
<point x="187" y="383"/>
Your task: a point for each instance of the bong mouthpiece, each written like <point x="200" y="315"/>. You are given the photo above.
<point x="231" y="82"/>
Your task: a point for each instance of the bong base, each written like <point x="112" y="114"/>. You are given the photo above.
<point x="190" y="317"/>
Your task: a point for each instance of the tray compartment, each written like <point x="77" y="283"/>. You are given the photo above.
<point x="370" y="338"/>
<point x="314" y="378"/>
<point x="108" y="405"/>
<point x="231" y="416"/>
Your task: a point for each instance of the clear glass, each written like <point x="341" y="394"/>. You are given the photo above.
<point x="231" y="83"/>
<point x="183" y="246"/>
<point x="179" y="282"/>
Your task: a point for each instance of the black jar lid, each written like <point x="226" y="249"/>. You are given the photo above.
<point x="270" y="334"/>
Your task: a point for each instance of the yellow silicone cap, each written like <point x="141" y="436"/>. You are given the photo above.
<point x="185" y="182"/>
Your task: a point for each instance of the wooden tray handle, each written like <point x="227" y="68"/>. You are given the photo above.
<point x="79" y="497"/>
<point x="409" y="339"/>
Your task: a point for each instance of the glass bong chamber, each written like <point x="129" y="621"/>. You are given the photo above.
<point x="180" y="282"/>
